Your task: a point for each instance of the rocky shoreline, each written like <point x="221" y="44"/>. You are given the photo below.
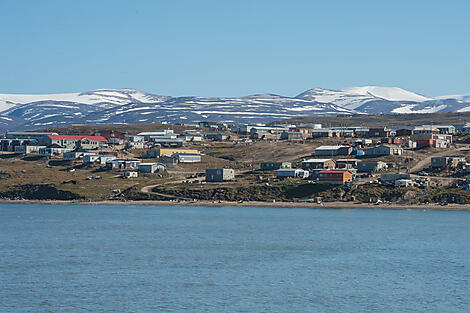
<point x="324" y="205"/>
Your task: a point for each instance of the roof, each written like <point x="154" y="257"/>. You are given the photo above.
<point x="334" y="171"/>
<point x="289" y="169"/>
<point x="316" y="160"/>
<point x="29" y="133"/>
<point x="330" y="147"/>
<point x="388" y="146"/>
<point x="370" y="162"/>
<point x="187" y="154"/>
<point x="73" y="137"/>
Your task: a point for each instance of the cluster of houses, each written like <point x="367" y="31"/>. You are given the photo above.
<point x="167" y="147"/>
<point x="410" y="137"/>
<point x="438" y="136"/>
<point x="99" y="149"/>
<point x="324" y="170"/>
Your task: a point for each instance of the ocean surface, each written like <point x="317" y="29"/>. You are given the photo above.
<point x="110" y="258"/>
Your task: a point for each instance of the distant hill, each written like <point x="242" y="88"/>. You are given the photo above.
<point x="129" y="106"/>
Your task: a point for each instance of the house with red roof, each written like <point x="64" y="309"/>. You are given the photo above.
<point x="76" y="142"/>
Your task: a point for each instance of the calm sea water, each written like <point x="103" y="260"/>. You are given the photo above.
<point x="61" y="258"/>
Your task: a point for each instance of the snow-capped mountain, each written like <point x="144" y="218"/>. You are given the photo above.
<point x="131" y="106"/>
<point x="354" y="97"/>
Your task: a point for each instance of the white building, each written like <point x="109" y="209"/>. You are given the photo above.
<point x="291" y="172"/>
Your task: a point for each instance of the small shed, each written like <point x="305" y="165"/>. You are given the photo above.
<point x="129" y="174"/>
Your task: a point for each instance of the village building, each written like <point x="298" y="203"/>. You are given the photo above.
<point x="425" y="129"/>
<point x="119" y="164"/>
<point x="26" y="149"/>
<point x="10" y="144"/>
<point x="164" y="138"/>
<point x="466" y="128"/>
<point x="151" y="168"/>
<point x="317" y="133"/>
<point x="383" y="150"/>
<point x="394" y="141"/>
<point x="76" y="142"/>
<point x="50" y="152"/>
<point x="305" y="131"/>
<point x="318" y="163"/>
<point x="187" y="157"/>
<point x="219" y="136"/>
<point x="207" y="124"/>
<point x="135" y="145"/>
<point x="389" y="179"/>
<point x="332" y="150"/>
<point x="129" y="174"/>
<point x="219" y="174"/>
<point x="403" y="183"/>
<point x="334" y="177"/>
<point x="169" y="152"/>
<point x="103" y="159"/>
<point x="378" y="132"/>
<point x="345" y="132"/>
<point x="371" y="166"/>
<point x="431" y="140"/>
<point x="446" y="129"/>
<point x="360" y="131"/>
<point x="168" y="160"/>
<point x="289" y="135"/>
<point x="404" y="131"/>
<point x="246" y="129"/>
<point x="75" y="155"/>
<point x="271" y="166"/>
<point x="90" y="158"/>
<point x="262" y="135"/>
<point x="446" y="161"/>
<point x="291" y="173"/>
<point x="190" y="137"/>
<point x="161" y="133"/>
<point x="41" y="138"/>
<point x="112" y="136"/>
<point x="346" y="164"/>
<point x="98" y="158"/>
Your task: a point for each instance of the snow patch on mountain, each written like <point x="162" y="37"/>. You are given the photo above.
<point x="386" y="93"/>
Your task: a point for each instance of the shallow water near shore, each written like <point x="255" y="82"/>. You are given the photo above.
<point x="132" y="258"/>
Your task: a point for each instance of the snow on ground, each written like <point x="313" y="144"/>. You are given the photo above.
<point x="387" y="93"/>
<point x="409" y="109"/>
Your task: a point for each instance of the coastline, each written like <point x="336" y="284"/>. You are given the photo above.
<point x="325" y="205"/>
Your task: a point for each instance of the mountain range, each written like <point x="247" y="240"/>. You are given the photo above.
<point x="126" y="106"/>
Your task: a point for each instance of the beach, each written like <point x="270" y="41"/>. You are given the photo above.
<point x="329" y="205"/>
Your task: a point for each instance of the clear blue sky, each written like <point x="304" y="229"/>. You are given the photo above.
<point x="234" y="48"/>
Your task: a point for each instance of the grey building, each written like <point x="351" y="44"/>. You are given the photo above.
<point x="446" y="161"/>
<point x="389" y="179"/>
<point x="187" y="157"/>
<point x="219" y="174"/>
<point x="333" y="150"/>
<point x="42" y="138"/>
<point x="384" y="150"/>
<point x="288" y="135"/>
<point x="151" y="168"/>
<point x="371" y="166"/>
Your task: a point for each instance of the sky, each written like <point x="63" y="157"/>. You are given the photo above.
<point x="234" y="48"/>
